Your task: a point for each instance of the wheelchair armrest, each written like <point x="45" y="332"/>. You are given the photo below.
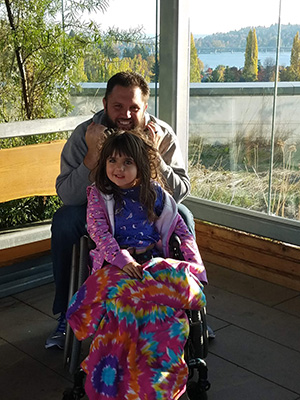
<point x="174" y="247"/>
<point x="89" y="242"/>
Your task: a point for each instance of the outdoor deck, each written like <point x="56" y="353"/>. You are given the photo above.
<point x="255" y="356"/>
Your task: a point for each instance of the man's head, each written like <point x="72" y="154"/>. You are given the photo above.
<point x="126" y="100"/>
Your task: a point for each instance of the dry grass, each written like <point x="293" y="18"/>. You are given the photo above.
<point x="249" y="189"/>
<point x="237" y="173"/>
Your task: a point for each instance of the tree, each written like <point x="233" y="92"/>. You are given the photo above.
<point x="232" y="74"/>
<point x="251" y="57"/>
<point x="292" y="72"/>
<point x="135" y="51"/>
<point x="196" y="65"/>
<point x="266" y="73"/>
<point x="99" y="67"/>
<point x="45" y="46"/>
<point x="218" y="74"/>
<point x="286" y="74"/>
<point x="295" y="59"/>
<point x="154" y="68"/>
<point x="40" y="62"/>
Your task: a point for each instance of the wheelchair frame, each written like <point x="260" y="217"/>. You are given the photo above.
<point x="196" y="347"/>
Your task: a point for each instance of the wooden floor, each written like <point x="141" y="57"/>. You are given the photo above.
<point x="255" y="355"/>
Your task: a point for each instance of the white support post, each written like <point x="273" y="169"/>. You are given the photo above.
<point x="174" y="68"/>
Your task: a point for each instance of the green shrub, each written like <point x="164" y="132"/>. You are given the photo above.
<point x="30" y="209"/>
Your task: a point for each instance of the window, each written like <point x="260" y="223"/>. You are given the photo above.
<point x="244" y="135"/>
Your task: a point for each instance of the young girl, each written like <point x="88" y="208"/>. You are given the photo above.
<point x="134" y="300"/>
<point x="130" y="216"/>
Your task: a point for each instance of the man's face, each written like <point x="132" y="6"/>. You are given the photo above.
<point x="125" y="108"/>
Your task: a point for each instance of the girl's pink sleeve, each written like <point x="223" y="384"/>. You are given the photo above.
<point x="98" y="227"/>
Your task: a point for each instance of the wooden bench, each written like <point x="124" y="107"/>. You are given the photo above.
<point x="25" y="172"/>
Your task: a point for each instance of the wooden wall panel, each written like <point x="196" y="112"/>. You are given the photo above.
<point x="273" y="261"/>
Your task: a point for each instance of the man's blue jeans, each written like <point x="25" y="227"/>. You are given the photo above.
<point x="68" y="225"/>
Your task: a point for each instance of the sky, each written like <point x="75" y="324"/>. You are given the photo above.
<point x="206" y="17"/>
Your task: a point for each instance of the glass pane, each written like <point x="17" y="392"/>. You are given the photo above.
<point x="58" y="49"/>
<point x="127" y="43"/>
<point x="233" y="112"/>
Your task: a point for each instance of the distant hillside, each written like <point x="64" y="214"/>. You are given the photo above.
<point x="236" y="40"/>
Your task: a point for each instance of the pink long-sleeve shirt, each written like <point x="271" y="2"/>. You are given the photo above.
<point x="101" y="227"/>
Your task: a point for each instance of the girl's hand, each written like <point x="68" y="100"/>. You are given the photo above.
<point x="134" y="270"/>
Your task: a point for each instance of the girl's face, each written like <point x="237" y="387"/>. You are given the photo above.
<point x="121" y="170"/>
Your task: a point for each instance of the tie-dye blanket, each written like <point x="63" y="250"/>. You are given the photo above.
<point x="140" y="329"/>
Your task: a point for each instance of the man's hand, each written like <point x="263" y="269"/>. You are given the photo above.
<point x="94" y="134"/>
<point x="155" y="133"/>
<point x="134" y="270"/>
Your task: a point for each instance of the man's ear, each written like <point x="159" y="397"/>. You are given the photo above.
<point x="146" y="106"/>
<point x="104" y="103"/>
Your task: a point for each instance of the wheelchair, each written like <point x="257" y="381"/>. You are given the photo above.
<point x="195" y="350"/>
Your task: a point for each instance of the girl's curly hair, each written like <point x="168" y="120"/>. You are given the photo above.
<point x="135" y="144"/>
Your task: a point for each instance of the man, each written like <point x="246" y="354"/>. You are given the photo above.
<point x="125" y="104"/>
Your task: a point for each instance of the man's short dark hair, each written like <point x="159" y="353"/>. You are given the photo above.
<point x="128" y="79"/>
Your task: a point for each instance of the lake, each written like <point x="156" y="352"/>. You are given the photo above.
<point x="212" y="60"/>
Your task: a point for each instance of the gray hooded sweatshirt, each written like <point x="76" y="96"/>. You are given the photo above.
<point x="73" y="180"/>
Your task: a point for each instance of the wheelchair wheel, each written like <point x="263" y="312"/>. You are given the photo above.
<point x="83" y="272"/>
<point x="197" y="389"/>
<point x="204" y="332"/>
<point x="199" y="333"/>
<point x="75" y="356"/>
<point x="77" y="392"/>
<point x="79" y="273"/>
<point x="72" y="289"/>
<point x="194" y="392"/>
<point x="70" y="395"/>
